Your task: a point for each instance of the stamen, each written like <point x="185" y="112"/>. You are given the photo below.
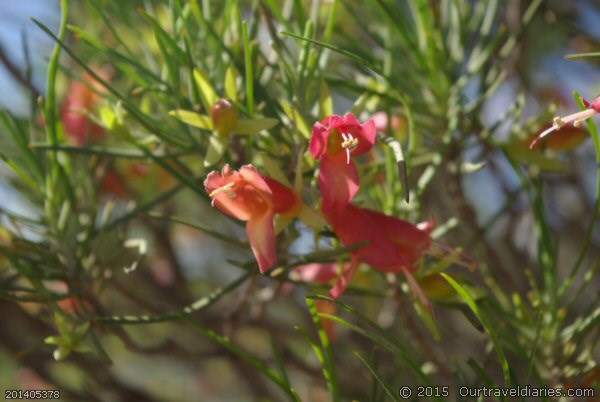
<point x="227" y="189"/>
<point x="577" y="119"/>
<point x="349" y="143"/>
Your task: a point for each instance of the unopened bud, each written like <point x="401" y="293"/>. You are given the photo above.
<point x="224" y="116"/>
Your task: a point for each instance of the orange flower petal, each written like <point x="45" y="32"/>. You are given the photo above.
<point x="261" y="236"/>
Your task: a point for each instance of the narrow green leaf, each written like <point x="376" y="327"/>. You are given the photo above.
<point x="380" y="337"/>
<point x="386" y="388"/>
<point x="364" y="63"/>
<point x="203" y="228"/>
<point x="325" y="101"/>
<point x="576" y="56"/>
<point x="231" y="77"/>
<point x="328" y="363"/>
<point x="253" y="126"/>
<point x="248" y="357"/>
<point x="198" y="305"/>
<point x="465" y="295"/>
<point x="193" y="119"/>
<point x="215" y="151"/>
<point x="249" y="69"/>
<point x="296" y="118"/>
<point x="207" y="92"/>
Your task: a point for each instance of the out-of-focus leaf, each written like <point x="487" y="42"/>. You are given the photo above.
<point x="231" y="77"/>
<point x="253" y="126"/>
<point x="249" y="358"/>
<point x="466" y="296"/>
<point x="535" y="158"/>
<point x="193" y="119"/>
<point x="207" y="92"/>
<point x="575" y="56"/>
<point x="326" y="353"/>
<point x="296" y="118"/>
<point x="311" y="217"/>
<point x="386" y="388"/>
<point x="325" y="101"/>
<point x="273" y="169"/>
<point x="215" y="151"/>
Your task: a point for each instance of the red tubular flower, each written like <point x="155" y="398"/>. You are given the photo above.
<point x="392" y="243"/>
<point x="334" y="141"/>
<point x="248" y="196"/>
<point x="575" y="119"/>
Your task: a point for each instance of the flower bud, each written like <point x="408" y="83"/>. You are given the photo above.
<point x="224" y="117"/>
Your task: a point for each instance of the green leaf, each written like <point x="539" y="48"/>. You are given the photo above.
<point x="203" y="228"/>
<point x="193" y="119"/>
<point x="249" y="69"/>
<point x="261" y="367"/>
<point x="296" y="118"/>
<point x="427" y="317"/>
<point x="325" y="101"/>
<point x="466" y="296"/>
<point x="272" y="168"/>
<point x="326" y="353"/>
<point x="379" y="336"/>
<point x="207" y="92"/>
<point x="576" y="56"/>
<point x="231" y="77"/>
<point x="253" y="126"/>
<point x="364" y="63"/>
<point x="196" y="306"/>
<point x="386" y="388"/>
<point x="215" y="151"/>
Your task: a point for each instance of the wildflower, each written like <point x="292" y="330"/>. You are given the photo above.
<point x="392" y="245"/>
<point x="334" y="141"/>
<point x="575" y="120"/>
<point x="248" y="196"/>
<point x="344" y="135"/>
<point x="82" y="98"/>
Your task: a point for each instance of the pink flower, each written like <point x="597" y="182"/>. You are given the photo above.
<point x="342" y="134"/>
<point x="334" y="141"/>
<point x="392" y="243"/>
<point x="248" y="196"/>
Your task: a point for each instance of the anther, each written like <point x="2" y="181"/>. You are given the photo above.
<point x="349" y="143"/>
<point x="227" y="189"/>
